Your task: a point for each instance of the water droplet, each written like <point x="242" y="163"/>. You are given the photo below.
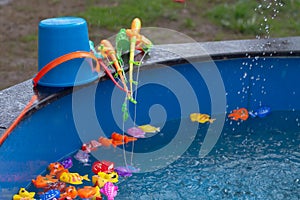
<point x="245" y="75"/>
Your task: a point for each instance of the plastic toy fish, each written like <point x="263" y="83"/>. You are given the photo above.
<point x="118" y="139"/>
<point x="50" y="195"/>
<point x="99" y="181"/>
<point x="70" y="192"/>
<point x="136" y="132"/>
<point x="102" y="166"/>
<point x="261" y="112"/>
<point x="61" y="186"/>
<point x="241" y="113"/>
<point x="109" y="190"/>
<point x="89" y="192"/>
<point x="91" y="146"/>
<point x="126" y="171"/>
<point x="149" y="129"/>
<point x="24" y="194"/>
<point x="56" y="169"/>
<point x="201" y="118"/>
<point x="110" y="177"/>
<point x="82" y="157"/>
<point x="105" y="141"/>
<point x="43" y="181"/>
<point x="73" y="178"/>
<point x="67" y="163"/>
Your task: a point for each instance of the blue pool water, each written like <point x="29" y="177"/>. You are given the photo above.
<point x="255" y="159"/>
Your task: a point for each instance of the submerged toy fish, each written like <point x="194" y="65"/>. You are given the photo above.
<point x="89" y="192"/>
<point x="51" y="194"/>
<point x="82" y="157"/>
<point x="201" y="118"/>
<point x="118" y="139"/>
<point x="67" y="163"/>
<point x="91" y="146"/>
<point x="261" y="112"/>
<point x="43" y="181"/>
<point x="149" y="129"/>
<point x="103" y="166"/>
<point x="109" y="190"/>
<point x="56" y="169"/>
<point x="24" y="194"/>
<point x="73" y="178"/>
<point x="70" y="192"/>
<point x="136" y="132"/>
<point x="105" y="141"/>
<point x="61" y="186"/>
<point x="241" y="113"/>
<point x="126" y="171"/>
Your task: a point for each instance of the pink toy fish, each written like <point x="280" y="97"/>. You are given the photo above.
<point x="109" y="190"/>
<point x="136" y="132"/>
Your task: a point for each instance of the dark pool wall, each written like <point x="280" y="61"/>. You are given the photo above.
<point x="51" y="133"/>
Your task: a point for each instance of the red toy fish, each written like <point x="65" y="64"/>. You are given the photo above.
<point x="241" y="113"/>
<point x="103" y="166"/>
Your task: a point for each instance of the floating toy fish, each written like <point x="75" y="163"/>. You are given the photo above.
<point x="82" y="157"/>
<point x="261" y="112"/>
<point x="56" y="169"/>
<point x="91" y="146"/>
<point x="73" y="178"/>
<point x="118" y="139"/>
<point x="149" y="129"/>
<point x="201" y="118"/>
<point x="110" y="177"/>
<point x="24" y="194"/>
<point x="105" y="141"/>
<point x="126" y="171"/>
<point x="241" y="113"/>
<point x="50" y="195"/>
<point x="136" y="132"/>
<point x="61" y="186"/>
<point x="103" y="166"/>
<point x="43" y="181"/>
<point x="89" y="192"/>
<point x="98" y="181"/>
<point x="67" y="163"/>
<point x="109" y="190"/>
<point x="70" y="192"/>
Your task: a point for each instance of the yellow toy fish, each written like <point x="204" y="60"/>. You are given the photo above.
<point x="201" y="118"/>
<point x="149" y="129"/>
<point x="73" y="178"/>
<point x="24" y="194"/>
<point x="110" y="177"/>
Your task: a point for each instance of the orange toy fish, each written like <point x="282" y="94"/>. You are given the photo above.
<point x="105" y="141"/>
<point x="43" y="181"/>
<point x="70" y="192"/>
<point x="56" y="169"/>
<point x="89" y="192"/>
<point x="241" y="113"/>
<point x="118" y="139"/>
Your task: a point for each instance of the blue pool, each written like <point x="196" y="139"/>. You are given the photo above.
<point x="254" y="159"/>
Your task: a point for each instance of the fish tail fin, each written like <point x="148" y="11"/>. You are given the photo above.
<point x="158" y="129"/>
<point x="212" y="120"/>
<point x="86" y="177"/>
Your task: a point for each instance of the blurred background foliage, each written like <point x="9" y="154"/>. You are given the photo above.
<point x="201" y="20"/>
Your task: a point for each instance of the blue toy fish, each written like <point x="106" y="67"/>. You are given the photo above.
<point x="51" y="194"/>
<point x="261" y="112"/>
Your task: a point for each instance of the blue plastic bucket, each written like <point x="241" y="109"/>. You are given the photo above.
<point x="60" y="36"/>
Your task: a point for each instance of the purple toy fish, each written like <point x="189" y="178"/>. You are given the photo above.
<point x="109" y="190"/>
<point x="67" y="163"/>
<point x="82" y="157"/>
<point x="136" y="132"/>
<point x="126" y="171"/>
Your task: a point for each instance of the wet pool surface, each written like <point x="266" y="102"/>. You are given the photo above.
<point x="252" y="160"/>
